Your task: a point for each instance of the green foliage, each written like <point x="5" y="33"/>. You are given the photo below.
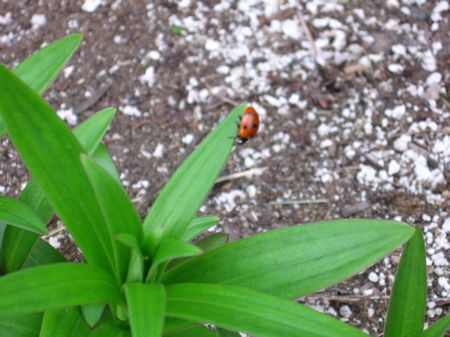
<point x="146" y="278"/>
<point x="177" y="30"/>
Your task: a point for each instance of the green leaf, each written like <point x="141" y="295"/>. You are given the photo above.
<point x="168" y="250"/>
<point x="102" y="157"/>
<point x="146" y="307"/>
<point x="185" y="192"/>
<point x="239" y="309"/>
<point x="92" y="313"/>
<point x="197" y="331"/>
<point x="206" y="244"/>
<point x="177" y="30"/>
<point x="198" y="226"/>
<point x="91" y="132"/>
<point x="52" y="154"/>
<point x="213" y="241"/>
<point x="136" y="267"/>
<point x="109" y="328"/>
<point x="41" y="254"/>
<point x="295" y="261"/>
<point x="56" y="286"/>
<point x="17" y="242"/>
<point x="21" y="326"/>
<point x="438" y="329"/>
<point x="40" y="69"/>
<point x="406" y="313"/>
<point x="118" y="211"/>
<point x="176" y="324"/>
<point x="64" y="322"/>
<point x="225" y="333"/>
<point x="15" y="213"/>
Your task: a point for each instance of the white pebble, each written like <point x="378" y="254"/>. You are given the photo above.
<point x="401" y="143"/>
<point x="394" y="167"/>
<point x="397" y="113"/>
<point x="426" y="217"/>
<point x="446" y="225"/>
<point x="443" y="282"/>
<point x="38" y="20"/>
<point x="54" y="242"/>
<point x="159" y="151"/>
<point x="187" y="139"/>
<point x="345" y="311"/>
<point x="91" y="5"/>
<point x="396" y="68"/>
<point x="212" y="45"/>
<point x="434" y="78"/>
<point x="131" y="111"/>
<point x="154" y="55"/>
<point x="148" y="77"/>
<point x="399" y="49"/>
<point x="373" y="277"/>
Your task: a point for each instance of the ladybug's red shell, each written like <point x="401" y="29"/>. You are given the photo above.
<point x="249" y="125"/>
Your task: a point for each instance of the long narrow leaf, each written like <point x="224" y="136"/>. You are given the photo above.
<point x="248" y="311"/>
<point x="118" y="211"/>
<point x="168" y="250"/>
<point x="295" y="261"/>
<point x="21" y="326"/>
<point x="406" y="314"/>
<point x="40" y="69"/>
<point x="41" y="254"/>
<point x="15" y="213"/>
<point x="183" y="195"/>
<point x="198" y="226"/>
<point x="109" y="328"/>
<point x="64" y="322"/>
<point x="56" y="286"/>
<point x="102" y="157"/>
<point x="197" y="331"/>
<point x="146" y="307"/>
<point x="51" y="153"/>
<point x="226" y="333"/>
<point x="206" y="244"/>
<point x="438" y="329"/>
<point x="17" y="243"/>
<point x="92" y="313"/>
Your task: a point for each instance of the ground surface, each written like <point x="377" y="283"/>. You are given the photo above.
<point x="358" y="125"/>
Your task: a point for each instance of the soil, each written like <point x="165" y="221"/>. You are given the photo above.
<point x="353" y="98"/>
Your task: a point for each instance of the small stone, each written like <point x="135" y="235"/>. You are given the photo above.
<point x="345" y="311"/>
<point x="396" y="68"/>
<point x="373" y="277"/>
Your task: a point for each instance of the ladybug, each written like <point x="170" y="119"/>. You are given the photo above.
<point x="249" y="125"/>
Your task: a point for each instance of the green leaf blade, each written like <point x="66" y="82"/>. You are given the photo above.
<point x="295" y="261"/>
<point x="51" y="152"/>
<point x="168" y="250"/>
<point x="146" y="307"/>
<point x="40" y="69"/>
<point x="16" y="213"/>
<point x="21" y="326"/>
<point x="406" y="313"/>
<point x="233" y="308"/>
<point x="56" y="286"/>
<point x="438" y="329"/>
<point x="118" y="211"/>
<point x="64" y="322"/>
<point x="18" y="244"/>
<point x="183" y="195"/>
<point x="198" y="226"/>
